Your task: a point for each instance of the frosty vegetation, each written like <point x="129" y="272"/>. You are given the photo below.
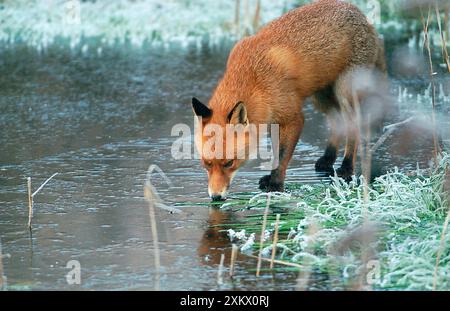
<point x="156" y="22"/>
<point x="325" y="229"/>
<point x="40" y="23"/>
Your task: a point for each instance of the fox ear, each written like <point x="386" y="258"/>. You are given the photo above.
<point x="200" y="110"/>
<point x="238" y="115"/>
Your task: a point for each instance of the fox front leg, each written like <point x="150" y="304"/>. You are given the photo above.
<point x="289" y="136"/>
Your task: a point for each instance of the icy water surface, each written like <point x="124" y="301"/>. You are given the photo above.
<point x="100" y="121"/>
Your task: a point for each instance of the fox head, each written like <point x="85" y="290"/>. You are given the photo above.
<point x="222" y="140"/>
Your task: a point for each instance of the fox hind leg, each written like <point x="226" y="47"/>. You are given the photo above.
<point x="326" y="162"/>
<point x="326" y="101"/>
<point x="346" y="99"/>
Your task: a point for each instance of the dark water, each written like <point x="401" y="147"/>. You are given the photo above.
<point x="100" y="121"/>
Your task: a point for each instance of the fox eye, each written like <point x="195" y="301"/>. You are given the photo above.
<point x="207" y="165"/>
<point x="228" y="164"/>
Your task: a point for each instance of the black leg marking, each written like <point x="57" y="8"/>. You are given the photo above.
<point x="346" y="169"/>
<point x="272" y="182"/>
<point x="267" y="184"/>
<point x="325" y="163"/>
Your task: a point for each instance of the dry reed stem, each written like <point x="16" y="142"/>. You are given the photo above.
<point x="32" y="195"/>
<point x="43" y="184"/>
<point x="366" y="164"/>
<point x="152" y="193"/>
<point x="446" y="24"/>
<point x="441" y="32"/>
<point x="220" y="270"/>
<point x="279" y="262"/>
<point x="353" y="115"/>
<point x="305" y="274"/>
<point x="275" y="240"/>
<point x="237" y="18"/>
<point x="263" y="231"/>
<point x="388" y="130"/>
<point x="30" y="202"/>
<point x="234" y="250"/>
<point x="364" y="147"/>
<point x="246" y="18"/>
<point x="257" y="16"/>
<point x="152" y="197"/>
<point x="152" y="215"/>
<point x="433" y="84"/>
<point x="2" y="278"/>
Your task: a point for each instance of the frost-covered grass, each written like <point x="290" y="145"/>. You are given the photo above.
<point x="40" y="23"/>
<point x="324" y="227"/>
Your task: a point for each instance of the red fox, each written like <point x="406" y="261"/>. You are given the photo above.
<point x="308" y="52"/>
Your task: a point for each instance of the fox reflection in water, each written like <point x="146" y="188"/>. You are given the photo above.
<point x="215" y="240"/>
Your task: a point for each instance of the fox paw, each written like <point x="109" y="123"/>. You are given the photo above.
<point x="324" y="164"/>
<point x="345" y="173"/>
<point x="266" y="184"/>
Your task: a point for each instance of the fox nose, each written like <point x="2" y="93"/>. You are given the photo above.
<point x="217" y="197"/>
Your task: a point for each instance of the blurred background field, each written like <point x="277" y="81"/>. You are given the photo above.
<point x="139" y="22"/>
